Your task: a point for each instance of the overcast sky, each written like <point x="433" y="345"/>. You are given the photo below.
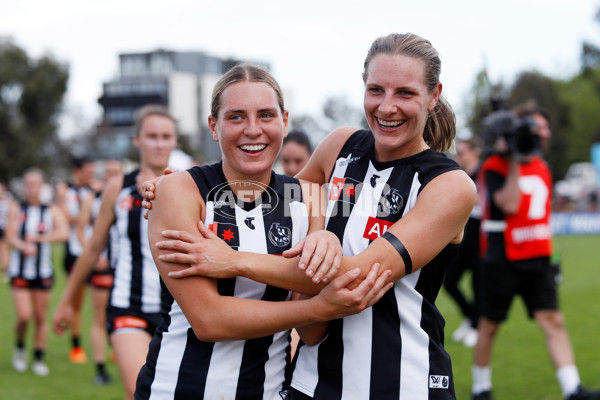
<point x="316" y="48"/>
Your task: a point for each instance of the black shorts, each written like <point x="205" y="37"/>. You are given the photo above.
<point x="126" y="319"/>
<point x="69" y="260"/>
<point x="535" y="280"/>
<point x="37" y="283"/>
<point x="1" y="233"/>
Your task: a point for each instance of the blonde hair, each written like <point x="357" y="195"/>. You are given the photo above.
<point x="241" y="73"/>
<point x="440" y="127"/>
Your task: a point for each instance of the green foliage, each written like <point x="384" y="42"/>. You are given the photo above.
<point x="31" y="94"/>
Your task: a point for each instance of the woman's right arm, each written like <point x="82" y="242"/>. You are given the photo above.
<point x="91" y="251"/>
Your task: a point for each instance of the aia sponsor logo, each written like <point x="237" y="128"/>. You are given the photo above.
<point x="376" y="227"/>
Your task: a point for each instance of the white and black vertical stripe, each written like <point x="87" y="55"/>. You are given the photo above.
<point x="34" y="220"/>
<point x="181" y="366"/>
<point x="393" y="349"/>
<point x="137" y="282"/>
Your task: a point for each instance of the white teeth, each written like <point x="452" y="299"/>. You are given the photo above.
<point x="253" y="147"/>
<point x="389" y="124"/>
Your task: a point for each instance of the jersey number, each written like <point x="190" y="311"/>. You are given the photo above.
<point x="535" y="186"/>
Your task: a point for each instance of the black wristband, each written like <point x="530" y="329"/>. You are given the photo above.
<point x="394" y="241"/>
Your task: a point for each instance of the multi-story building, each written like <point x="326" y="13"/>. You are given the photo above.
<point x="181" y="81"/>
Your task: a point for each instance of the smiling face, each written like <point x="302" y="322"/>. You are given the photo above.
<point x="396" y="104"/>
<point x="250" y="128"/>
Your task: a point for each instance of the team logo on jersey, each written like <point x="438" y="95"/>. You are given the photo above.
<point x="280" y="236"/>
<point x="248" y="222"/>
<point x="376" y="227"/>
<point x="439" y="382"/>
<point x="228" y="232"/>
<point x="247" y="192"/>
<point x="391" y="202"/>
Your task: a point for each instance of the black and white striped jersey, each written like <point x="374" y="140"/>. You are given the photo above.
<point x="73" y="197"/>
<point x="179" y="366"/>
<point x="33" y="220"/>
<point x="393" y="350"/>
<point x="137" y="283"/>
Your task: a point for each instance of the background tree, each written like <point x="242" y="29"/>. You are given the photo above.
<point x="31" y="94"/>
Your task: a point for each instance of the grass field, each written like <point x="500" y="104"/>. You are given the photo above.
<point x="521" y="367"/>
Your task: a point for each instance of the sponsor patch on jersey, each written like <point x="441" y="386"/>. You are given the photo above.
<point x="126" y="203"/>
<point x="280" y="236"/>
<point x="346" y="161"/>
<point x="345" y="189"/>
<point x="439" y="382"/>
<point x="228" y="232"/>
<point x="376" y="227"/>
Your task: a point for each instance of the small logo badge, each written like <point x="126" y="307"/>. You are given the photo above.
<point x="374" y="180"/>
<point x="438" y="382"/>
<point x="248" y="222"/>
<point x="280" y="236"/>
<point x="391" y="202"/>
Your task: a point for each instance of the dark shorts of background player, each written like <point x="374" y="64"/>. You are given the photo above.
<point x="1" y="233"/>
<point x="535" y="280"/>
<point x="103" y="279"/>
<point x="69" y="260"/>
<point x="123" y="318"/>
<point x="37" y="283"/>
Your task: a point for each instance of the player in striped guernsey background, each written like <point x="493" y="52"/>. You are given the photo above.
<point x="393" y="199"/>
<point x="31" y="229"/>
<point x="229" y="339"/>
<point x="133" y="311"/>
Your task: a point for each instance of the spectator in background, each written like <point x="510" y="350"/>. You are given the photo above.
<point x="32" y="226"/>
<point x="515" y="194"/>
<point x="69" y="198"/>
<point x="295" y="152"/>
<point x="467" y="256"/>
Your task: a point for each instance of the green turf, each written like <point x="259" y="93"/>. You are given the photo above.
<point x="521" y="368"/>
<point x="66" y="380"/>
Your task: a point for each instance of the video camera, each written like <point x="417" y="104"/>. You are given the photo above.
<point x="520" y="138"/>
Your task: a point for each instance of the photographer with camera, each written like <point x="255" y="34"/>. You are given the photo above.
<point x="515" y="193"/>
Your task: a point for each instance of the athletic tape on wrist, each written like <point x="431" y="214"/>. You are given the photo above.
<point x="394" y="241"/>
